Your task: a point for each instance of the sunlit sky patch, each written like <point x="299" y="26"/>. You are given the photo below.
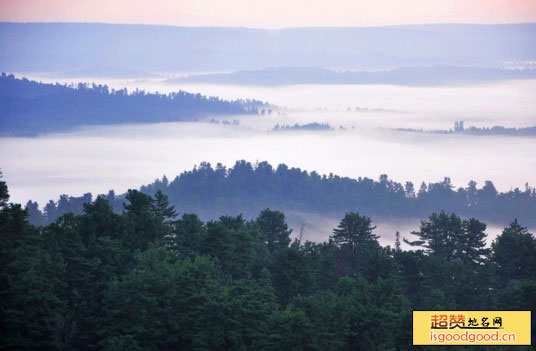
<point x="270" y="13"/>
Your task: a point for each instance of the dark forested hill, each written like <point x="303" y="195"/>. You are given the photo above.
<point x="28" y="107"/>
<point x="247" y="188"/>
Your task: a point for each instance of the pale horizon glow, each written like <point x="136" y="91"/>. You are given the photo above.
<point x="270" y="14"/>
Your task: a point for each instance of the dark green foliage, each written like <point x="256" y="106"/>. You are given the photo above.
<point x="274" y="230"/>
<point x="143" y="280"/>
<point x="448" y="236"/>
<point x="519" y="295"/>
<point x="4" y="193"/>
<point x="516" y="239"/>
<point x="291" y="273"/>
<point x="356" y="314"/>
<point x="359" y="251"/>
<point x="473" y="241"/>
<point x="188" y="235"/>
<point x="456" y="255"/>
<point x="161" y="301"/>
<point x="147" y="224"/>
<point x="290" y="329"/>
<point x="31" y="310"/>
<point x="162" y="207"/>
<point x="355" y="232"/>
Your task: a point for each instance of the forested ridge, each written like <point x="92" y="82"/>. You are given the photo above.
<point x="411" y="76"/>
<point x="248" y="188"/>
<point x="30" y="108"/>
<point x="150" y="278"/>
<point x="459" y="128"/>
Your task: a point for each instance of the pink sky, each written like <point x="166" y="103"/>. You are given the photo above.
<point x="270" y="13"/>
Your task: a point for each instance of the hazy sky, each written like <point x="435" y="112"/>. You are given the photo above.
<point x="270" y="13"/>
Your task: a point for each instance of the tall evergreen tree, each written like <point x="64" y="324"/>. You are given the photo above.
<point x="474" y="241"/>
<point x="146" y="226"/>
<point x="274" y="229"/>
<point x="441" y="235"/>
<point x="162" y="207"/>
<point x="514" y="253"/>
<point x="4" y="193"/>
<point x="355" y="232"/>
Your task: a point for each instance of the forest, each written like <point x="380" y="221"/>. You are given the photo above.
<point x="29" y="108"/>
<point x="314" y="126"/>
<point x="411" y="76"/>
<point x="459" y="128"/>
<point x="248" y="188"/>
<point x="151" y="278"/>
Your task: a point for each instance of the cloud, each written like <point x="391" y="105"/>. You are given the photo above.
<point x="270" y="13"/>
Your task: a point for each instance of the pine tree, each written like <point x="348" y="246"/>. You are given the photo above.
<point x="397" y="242"/>
<point x="474" y="241"/>
<point x="441" y="235"/>
<point x="139" y="203"/>
<point x="146" y="226"/>
<point x="162" y="207"/>
<point x="514" y="253"/>
<point x="274" y="229"/>
<point x="355" y="232"/>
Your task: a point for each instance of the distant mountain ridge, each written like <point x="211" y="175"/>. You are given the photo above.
<point x="103" y="49"/>
<point x="414" y="76"/>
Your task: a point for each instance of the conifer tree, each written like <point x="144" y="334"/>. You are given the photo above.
<point x="355" y="232"/>
<point x="274" y="229"/>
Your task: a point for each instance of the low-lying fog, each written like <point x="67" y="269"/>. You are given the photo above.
<point x="102" y="158"/>
<point x="506" y="103"/>
<point x="96" y="159"/>
<point x="317" y="228"/>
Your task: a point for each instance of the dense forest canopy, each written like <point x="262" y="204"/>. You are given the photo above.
<point x="247" y="188"/>
<point x="148" y="279"/>
<point x="29" y="108"/>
